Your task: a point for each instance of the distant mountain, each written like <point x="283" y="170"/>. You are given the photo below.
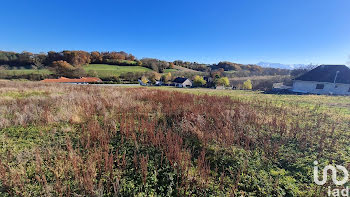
<point x="278" y="65"/>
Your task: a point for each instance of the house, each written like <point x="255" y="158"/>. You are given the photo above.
<point x="182" y="82"/>
<point x="325" y="79"/>
<point x="82" y="80"/>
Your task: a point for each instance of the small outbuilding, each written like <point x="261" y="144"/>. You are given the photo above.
<point x="182" y="82"/>
<point x="325" y="79"/>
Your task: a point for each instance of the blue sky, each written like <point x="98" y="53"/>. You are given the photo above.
<point x="243" y="31"/>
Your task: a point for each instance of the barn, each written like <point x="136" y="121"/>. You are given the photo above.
<point x="325" y="79"/>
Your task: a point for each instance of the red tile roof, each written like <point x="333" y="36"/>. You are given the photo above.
<point x="67" y="80"/>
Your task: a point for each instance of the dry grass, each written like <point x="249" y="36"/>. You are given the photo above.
<point x="62" y="140"/>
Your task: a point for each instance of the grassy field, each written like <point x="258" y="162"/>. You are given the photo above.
<point x="104" y="70"/>
<point x="170" y="70"/>
<point x="73" y="140"/>
<point x="25" y="71"/>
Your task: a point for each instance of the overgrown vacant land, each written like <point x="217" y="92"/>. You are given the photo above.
<point x="100" y="141"/>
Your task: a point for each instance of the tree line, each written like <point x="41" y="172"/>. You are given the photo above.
<point x="75" y="58"/>
<point x="69" y="63"/>
<point x="78" y="58"/>
<point x="192" y="65"/>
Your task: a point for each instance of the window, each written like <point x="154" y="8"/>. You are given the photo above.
<point x="319" y="86"/>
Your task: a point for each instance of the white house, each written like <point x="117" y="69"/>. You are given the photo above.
<point x="325" y="79"/>
<point x="181" y="82"/>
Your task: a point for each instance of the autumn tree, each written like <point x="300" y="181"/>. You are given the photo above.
<point x="199" y="81"/>
<point x="130" y="57"/>
<point x="39" y="60"/>
<point x="154" y="77"/>
<point x="117" y="55"/>
<point x="63" y="68"/>
<point x="53" y="56"/>
<point x="222" y="81"/>
<point x="96" y="57"/>
<point x="138" y="63"/>
<point x="144" y="79"/>
<point x="25" y="57"/>
<point x="217" y="73"/>
<point x="166" y="78"/>
<point x="247" y="85"/>
<point x="76" y="58"/>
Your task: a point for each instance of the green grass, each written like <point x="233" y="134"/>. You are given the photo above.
<point x="105" y="70"/>
<point x="170" y="70"/>
<point x="16" y="72"/>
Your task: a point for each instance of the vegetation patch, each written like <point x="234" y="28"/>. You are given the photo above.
<point x="105" y="70"/>
<point x="14" y="94"/>
<point x="107" y="141"/>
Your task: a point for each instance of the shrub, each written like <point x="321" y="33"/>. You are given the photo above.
<point x="247" y="85"/>
<point x="222" y="81"/>
<point x="199" y="81"/>
<point x="144" y="80"/>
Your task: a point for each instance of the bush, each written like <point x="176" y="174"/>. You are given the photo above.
<point x="247" y="85"/>
<point x="199" y="81"/>
<point x="63" y="68"/>
<point x="222" y="81"/>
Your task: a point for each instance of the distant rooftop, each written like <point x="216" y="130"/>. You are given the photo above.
<point x="327" y="73"/>
<point x="180" y="80"/>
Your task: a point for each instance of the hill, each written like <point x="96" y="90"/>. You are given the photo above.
<point x="183" y="69"/>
